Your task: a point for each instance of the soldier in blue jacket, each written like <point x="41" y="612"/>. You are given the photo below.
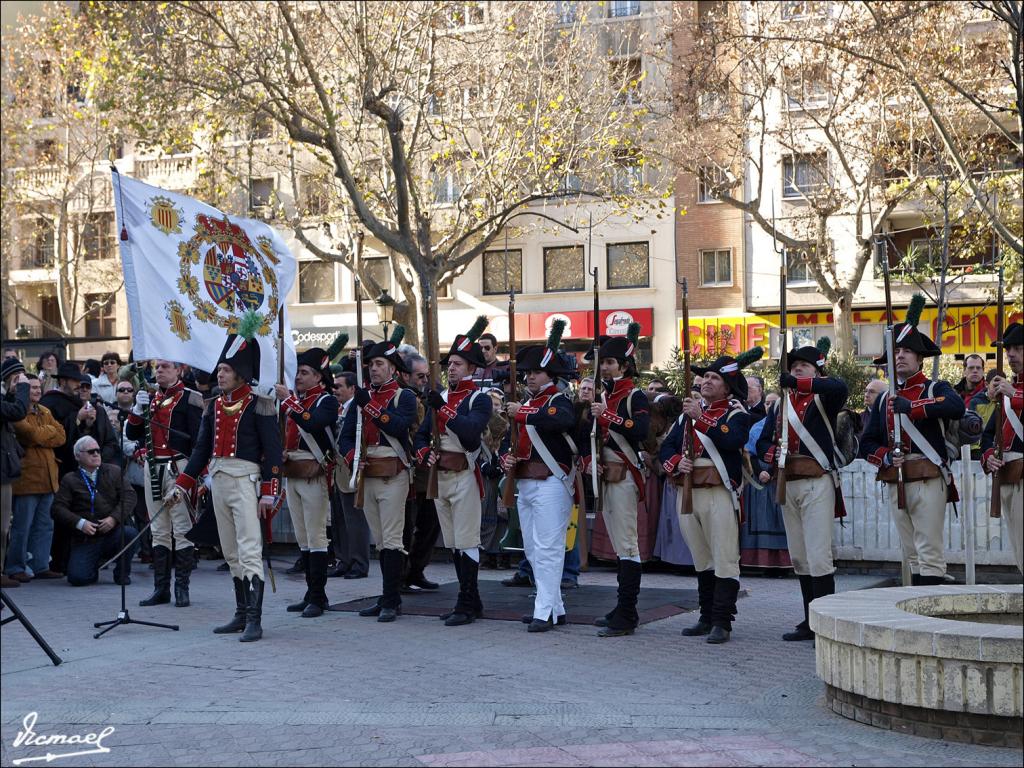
<point x="387" y="413"/>
<point x="920" y="404"/>
<point x="240" y="445"/>
<point x="716" y="425"/>
<point x="459" y="415"/>
<point x="813" y="494"/>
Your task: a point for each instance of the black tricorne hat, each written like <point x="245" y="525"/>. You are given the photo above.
<point x="388" y="350"/>
<point x="731" y="370"/>
<point x="815" y="355"/>
<point x="1013" y="336"/>
<point x="622" y="348"/>
<point x="317" y="359"/>
<point x="537" y="357"/>
<point x="466" y="347"/>
<point x="242" y="350"/>
<point x="907" y="336"/>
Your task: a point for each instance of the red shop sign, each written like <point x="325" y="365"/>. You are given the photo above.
<point x="580" y="325"/>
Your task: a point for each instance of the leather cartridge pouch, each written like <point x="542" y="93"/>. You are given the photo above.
<point x="452" y="461"/>
<point x="706" y="477"/>
<point x="532" y="470"/>
<point x="382" y="466"/>
<point x="802" y="468"/>
<point x="1011" y="472"/>
<point x="614" y="472"/>
<point x="913" y="470"/>
<point x="304" y="469"/>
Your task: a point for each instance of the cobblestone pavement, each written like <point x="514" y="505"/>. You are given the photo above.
<point x="346" y="690"/>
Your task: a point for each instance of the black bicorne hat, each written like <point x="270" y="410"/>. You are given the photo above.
<point x="622" y="348"/>
<point x="388" y="350"/>
<point x="1013" y="336"/>
<point x="466" y="347"/>
<point x="815" y="355"/>
<point x="589" y="354"/>
<point x="545" y="357"/>
<point x="907" y="336"/>
<point x="731" y="370"/>
<point x="318" y="360"/>
<point x="242" y="349"/>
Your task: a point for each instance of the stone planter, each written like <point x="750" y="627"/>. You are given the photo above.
<point x="938" y="661"/>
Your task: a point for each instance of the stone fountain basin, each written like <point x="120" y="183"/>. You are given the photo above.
<point x="912" y="659"/>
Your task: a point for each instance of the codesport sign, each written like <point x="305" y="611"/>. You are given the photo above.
<point x="580" y="325"/>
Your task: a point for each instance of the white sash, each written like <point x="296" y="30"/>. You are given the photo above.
<point x="567" y="480"/>
<point x="471" y="456"/>
<point x="716" y="458"/>
<point x="1012" y="417"/>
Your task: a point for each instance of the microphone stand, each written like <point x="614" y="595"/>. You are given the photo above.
<point x="20" y="616"/>
<point x="122" y="615"/>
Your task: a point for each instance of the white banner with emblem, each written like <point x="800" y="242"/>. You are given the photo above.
<point x="190" y="271"/>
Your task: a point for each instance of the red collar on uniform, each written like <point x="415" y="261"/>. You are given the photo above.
<point x="463" y="385"/>
<point x="916" y="380"/>
<point x="548" y="391"/>
<point x="388" y="387"/>
<point x="176" y="387"/>
<point x="312" y="392"/>
<point x="620" y="387"/>
<point x="237" y="395"/>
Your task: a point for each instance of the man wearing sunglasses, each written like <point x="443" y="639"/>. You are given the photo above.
<point x="92" y="502"/>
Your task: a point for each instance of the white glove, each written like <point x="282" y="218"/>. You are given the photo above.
<point x="141" y="401"/>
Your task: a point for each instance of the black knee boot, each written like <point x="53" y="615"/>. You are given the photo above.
<point x="466" y="611"/>
<point x="300" y="606"/>
<point x="161" y="578"/>
<point x="706" y="601"/>
<point x="803" y="629"/>
<point x="316" y="578"/>
<point x="625" y="618"/>
<point x="457" y="562"/>
<point x="391" y="564"/>
<point x="237" y="623"/>
<point x="604" y="621"/>
<point x="184" y="563"/>
<point x="930" y="581"/>
<point x="253" y="610"/>
<point x="724" y="609"/>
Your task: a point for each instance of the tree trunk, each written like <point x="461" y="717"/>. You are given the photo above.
<point x="842" y="323"/>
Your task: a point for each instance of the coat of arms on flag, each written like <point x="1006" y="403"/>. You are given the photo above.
<point x="204" y="269"/>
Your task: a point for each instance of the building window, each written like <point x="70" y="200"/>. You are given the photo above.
<point x="563" y="269"/>
<point x="49" y="312"/>
<point x="922" y="254"/>
<point x="627" y="173"/>
<point x="626" y="76"/>
<point x="446" y="186"/>
<point x="316" y="282"/>
<point x="41" y="251"/>
<point x="710" y="178"/>
<point x="713" y="102"/>
<point x="803" y="175"/>
<point x="619" y="8"/>
<point x="101" y="310"/>
<point x="313" y="197"/>
<point x="435" y="103"/>
<point x="378" y="269"/>
<point x="716" y="267"/>
<point x="807" y="88"/>
<point x="566" y="11"/>
<point x="261" y="126"/>
<point x="261" y="197"/>
<point x="463" y="14"/>
<point x="791" y="10"/>
<point x="97" y="236"/>
<point x="796" y="267"/>
<point x="500" y="270"/>
<point x="629" y="265"/>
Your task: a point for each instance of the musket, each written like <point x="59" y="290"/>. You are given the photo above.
<point x="890" y="360"/>
<point x="508" y="491"/>
<point x="595" y="431"/>
<point x="356" y="479"/>
<point x="687" y="491"/>
<point x="783" y="450"/>
<point x="996" y="503"/>
<point x="435" y="379"/>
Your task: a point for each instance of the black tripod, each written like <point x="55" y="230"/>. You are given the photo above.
<point x="28" y="626"/>
<point x="122" y="615"/>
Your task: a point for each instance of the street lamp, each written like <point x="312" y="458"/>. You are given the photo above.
<point x="23" y="332"/>
<point x="385" y="311"/>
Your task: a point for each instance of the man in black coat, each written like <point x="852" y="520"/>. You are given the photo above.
<point x="15" y="407"/>
<point x="97" y="424"/>
<point x="92" y="502"/>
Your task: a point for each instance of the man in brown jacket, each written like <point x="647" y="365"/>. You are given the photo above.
<point x="28" y="555"/>
<point x="93" y="501"/>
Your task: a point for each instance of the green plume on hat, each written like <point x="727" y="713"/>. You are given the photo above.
<point x="337" y="346"/>
<point x="633" y="334"/>
<point x="397" y="335"/>
<point x="824" y="345"/>
<point x="555" y="336"/>
<point x="478" y="327"/>
<point x="743" y="359"/>
<point x="249" y="324"/>
<point x="914" y="310"/>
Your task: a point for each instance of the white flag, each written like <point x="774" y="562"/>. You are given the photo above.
<point x="190" y="272"/>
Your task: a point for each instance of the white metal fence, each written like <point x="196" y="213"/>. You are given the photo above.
<point x="869" y="533"/>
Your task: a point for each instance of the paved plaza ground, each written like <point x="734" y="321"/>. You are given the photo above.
<point x="343" y="690"/>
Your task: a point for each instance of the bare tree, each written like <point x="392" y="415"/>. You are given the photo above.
<point x="428" y="124"/>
